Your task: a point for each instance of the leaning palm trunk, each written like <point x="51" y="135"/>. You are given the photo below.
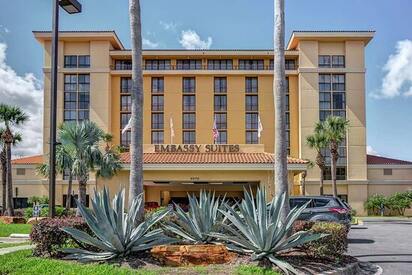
<point x="10" y="206"/>
<point x="136" y="146"/>
<point x="320" y="162"/>
<point x="4" y="178"/>
<point x="335" y="155"/>
<point x="280" y="169"/>
<point x="69" y="192"/>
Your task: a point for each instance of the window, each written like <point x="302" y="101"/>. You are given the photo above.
<point x="189" y="64"/>
<point x="189" y="103"/>
<point x="338" y="61"/>
<point x="84" y="61"/>
<point x="125" y="139"/>
<point x="189" y="85"/>
<point x="157" y="137"/>
<point x="387" y="172"/>
<point x="252" y="137"/>
<point x="189" y="121"/>
<point x="123" y="65"/>
<point x="251" y="64"/>
<point x="290" y="64"/>
<point x="332" y="98"/>
<point x="157" y="85"/>
<point x="73" y="200"/>
<point x="340" y="173"/>
<point x="321" y="202"/>
<point x="221" y="121"/>
<point x="125" y="85"/>
<point x="324" y="61"/>
<point x="251" y="103"/>
<point x="189" y="137"/>
<point x="298" y="202"/>
<point x="157" y="121"/>
<point x="251" y="121"/>
<point x="251" y="84"/>
<point x="220" y="85"/>
<point x="70" y="61"/>
<point x="126" y="103"/>
<point x="222" y="138"/>
<point x="20" y="171"/>
<point x="124" y="120"/>
<point x="76" y="97"/>
<point x="324" y="82"/>
<point x="220" y="103"/>
<point x="287" y="115"/>
<point x="219" y="64"/>
<point x="338" y="82"/>
<point x="157" y="64"/>
<point x="157" y="103"/>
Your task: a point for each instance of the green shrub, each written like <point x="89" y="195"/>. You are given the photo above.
<point x="332" y="246"/>
<point x="44" y="212"/>
<point x="40" y="200"/>
<point x="398" y="202"/>
<point x="374" y="204"/>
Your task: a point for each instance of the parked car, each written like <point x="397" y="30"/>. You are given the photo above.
<point x="323" y="208"/>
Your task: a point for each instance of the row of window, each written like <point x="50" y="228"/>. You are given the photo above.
<point x="76" y="97"/>
<point x="77" y="61"/>
<point x="331" y="61"/>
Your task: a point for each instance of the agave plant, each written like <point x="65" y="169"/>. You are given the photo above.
<point x="202" y="218"/>
<point x="255" y="227"/>
<point x="117" y="234"/>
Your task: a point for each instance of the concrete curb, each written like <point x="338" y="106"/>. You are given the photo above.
<point x="356" y="268"/>
<point x="12" y="249"/>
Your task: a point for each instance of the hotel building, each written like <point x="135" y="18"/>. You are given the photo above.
<point x="186" y="92"/>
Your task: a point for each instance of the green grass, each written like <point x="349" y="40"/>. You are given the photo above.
<point x="4" y="245"/>
<point x="22" y="262"/>
<point x="7" y="229"/>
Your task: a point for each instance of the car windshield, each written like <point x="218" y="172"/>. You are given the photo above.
<point x="293" y="202"/>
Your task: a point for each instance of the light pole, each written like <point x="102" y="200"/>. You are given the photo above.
<point x="71" y="7"/>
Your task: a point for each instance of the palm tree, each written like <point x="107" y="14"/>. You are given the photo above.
<point x="11" y="116"/>
<point x="318" y="142"/>
<point x="82" y="141"/>
<point x="136" y="145"/>
<point x="334" y="128"/>
<point x="279" y="90"/>
<point x="64" y="163"/>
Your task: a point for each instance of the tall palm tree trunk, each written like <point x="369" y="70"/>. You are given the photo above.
<point x="4" y="178"/>
<point x="69" y="192"/>
<point x="136" y="146"/>
<point x="10" y="206"/>
<point x="320" y="161"/>
<point x="335" y="156"/>
<point x="82" y="193"/>
<point x="279" y="78"/>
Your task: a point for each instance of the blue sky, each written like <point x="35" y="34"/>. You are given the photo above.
<point x="243" y="24"/>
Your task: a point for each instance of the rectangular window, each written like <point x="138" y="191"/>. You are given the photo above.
<point x="157" y="137"/>
<point x="222" y="138"/>
<point x="157" y="121"/>
<point x="324" y="61"/>
<point x="189" y="84"/>
<point x="189" y="121"/>
<point x="157" y="103"/>
<point x="123" y="65"/>
<point x="189" y="64"/>
<point x="125" y="139"/>
<point x="387" y="172"/>
<point x="251" y="64"/>
<point x="20" y="171"/>
<point x="125" y="85"/>
<point x="340" y="173"/>
<point x="124" y="120"/>
<point x="252" y="137"/>
<point x="157" y="64"/>
<point x="189" y="137"/>
<point x="84" y="61"/>
<point x="251" y="84"/>
<point x="290" y="64"/>
<point x="324" y="82"/>
<point x="221" y="120"/>
<point x="220" y="103"/>
<point x="157" y="85"/>
<point x="126" y="103"/>
<point x="219" y="64"/>
<point x="76" y="97"/>
<point x="251" y="121"/>
<point x="70" y="61"/>
<point x="338" y="82"/>
<point x="338" y="61"/>
<point x="220" y="85"/>
<point x="189" y="103"/>
<point x="252" y="103"/>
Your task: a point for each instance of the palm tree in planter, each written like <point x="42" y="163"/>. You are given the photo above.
<point x="82" y="142"/>
<point x="136" y="145"/>
<point x="11" y="116"/>
<point x="318" y="142"/>
<point x="335" y="129"/>
<point x="64" y="163"/>
<point x="3" y="159"/>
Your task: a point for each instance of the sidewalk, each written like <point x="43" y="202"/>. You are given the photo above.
<point x="385" y="219"/>
<point x="15" y="248"/>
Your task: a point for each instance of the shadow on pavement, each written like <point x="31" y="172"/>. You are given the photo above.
<point x="360" y="241"/>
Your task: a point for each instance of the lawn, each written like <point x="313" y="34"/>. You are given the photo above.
<point x="22" y="262"/>
<point x="7" y="229"/>
<point x="4" y="245"/>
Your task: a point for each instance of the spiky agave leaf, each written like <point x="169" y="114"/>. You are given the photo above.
<point x="256" y="228"/>
<point x="115" y="230"/>
<point x="202" y="218"/>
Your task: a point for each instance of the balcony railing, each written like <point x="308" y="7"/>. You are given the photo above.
<point x="125" y="67"/>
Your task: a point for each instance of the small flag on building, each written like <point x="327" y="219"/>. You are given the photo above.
<point x="128" y="126"/>
<point x="172" y="130"/>
<point x="260" y="127"/>
<point x="215" y="131"/>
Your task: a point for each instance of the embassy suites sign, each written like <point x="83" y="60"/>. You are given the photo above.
<point x="196" y="148"/>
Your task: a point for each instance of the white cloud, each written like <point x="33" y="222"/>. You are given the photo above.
<point x="168" y="26"/>
<point x="398" y="72"/>
<point x="191" y="40"/>
<point x="371" y="151"/>
<point x="4" y="29"/>
<point x="27" y="93"/>
<point x="149" y="44"/>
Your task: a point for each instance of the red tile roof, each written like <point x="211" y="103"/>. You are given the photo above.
<point x="188" y="158"/>
<point x="371" y="159"/>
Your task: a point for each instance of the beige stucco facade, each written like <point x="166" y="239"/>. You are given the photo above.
<point x="303" y="52"/>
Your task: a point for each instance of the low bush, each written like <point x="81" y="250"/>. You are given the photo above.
<point x="36" y="199"/>
<point x="398" y="202"/>
<point x="44" y="212"/>
<point x="375" y="204"/>
<point x="49" y="239"/>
